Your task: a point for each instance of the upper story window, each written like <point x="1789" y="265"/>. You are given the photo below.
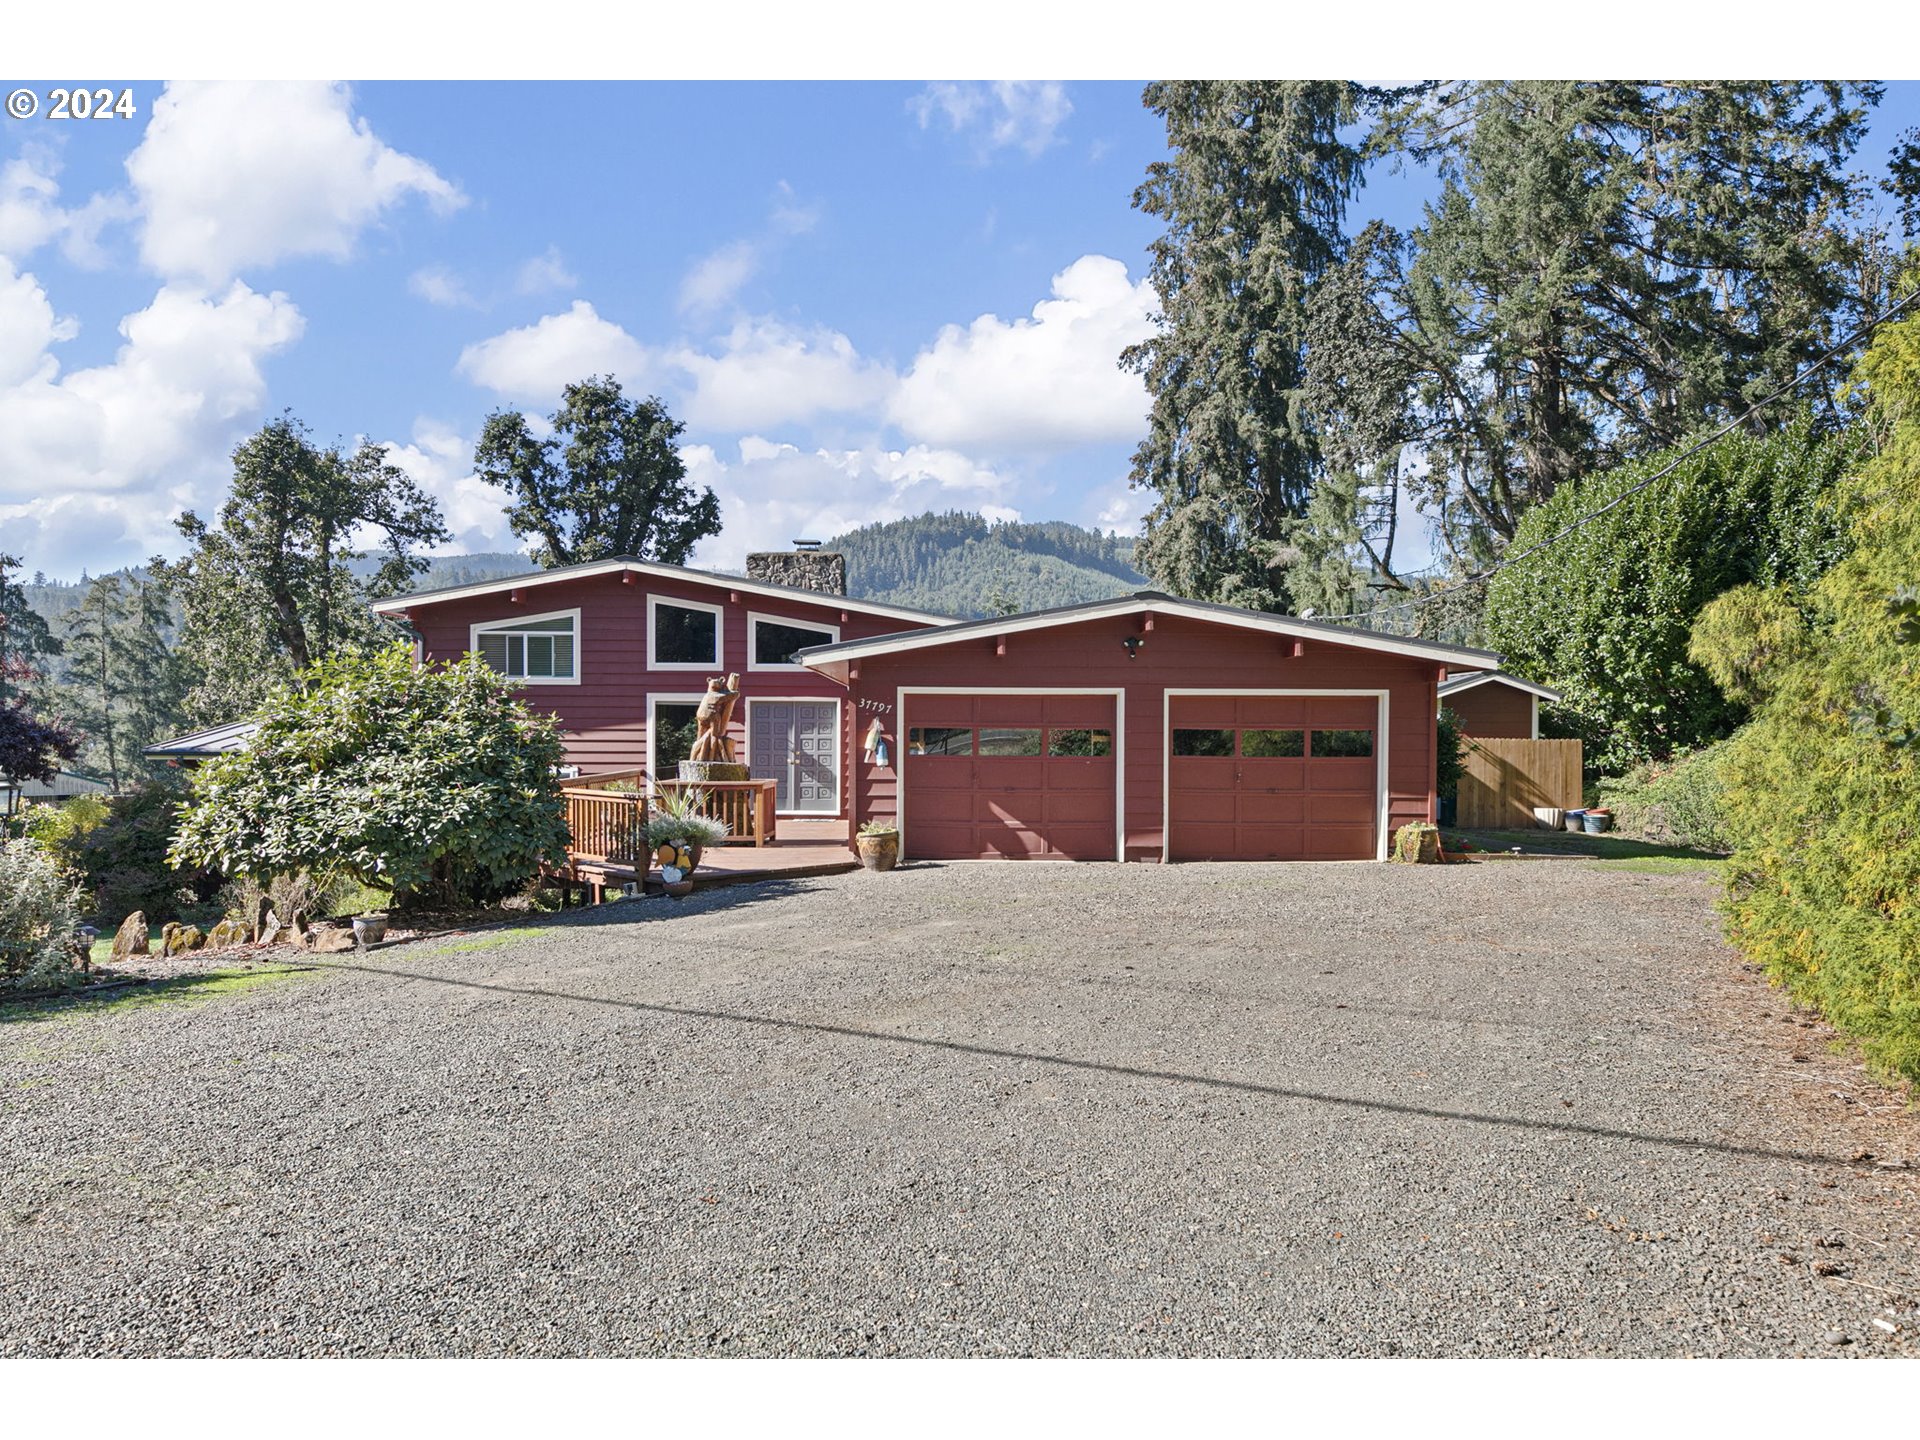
<point x="773" y="642"/>
<point x="537" y="649"/>
<point x="682" y="634"/>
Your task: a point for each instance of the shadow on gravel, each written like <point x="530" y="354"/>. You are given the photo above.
<point x="1132" y="1072"/>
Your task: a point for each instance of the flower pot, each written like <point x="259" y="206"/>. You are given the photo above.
<point x="1597" y="822"/>
<point x="879" y="852"/>
<point x="1574" y="820"/>
<point x="1548" y="817"/>
<point x="369" y="930"/>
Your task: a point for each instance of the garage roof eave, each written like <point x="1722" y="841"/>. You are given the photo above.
<point x="1150" y="602"/>
<point x="1498" y="677"/>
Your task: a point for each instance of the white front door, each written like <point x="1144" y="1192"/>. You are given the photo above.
<point x="796" y="744"/>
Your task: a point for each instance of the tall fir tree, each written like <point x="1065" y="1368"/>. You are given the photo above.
<point x="1253" y="197"/>
<point x="123" y="684"/>
<point x="27" y="642"/>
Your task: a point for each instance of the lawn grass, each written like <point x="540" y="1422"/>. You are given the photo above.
<point x="1621" y="852"/>
<point x="197" y="989"/>
<point x="495" y="938"/>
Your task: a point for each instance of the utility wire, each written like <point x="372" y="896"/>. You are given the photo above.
<point x="1812" y="368"/>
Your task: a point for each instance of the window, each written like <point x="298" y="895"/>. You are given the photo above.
<point x="1203" y="742"/>
<point x="772" y="643"/>
<point x="1090" y="743"/>
<point x="537" y="649"/>
<point x="939" y="740"/>
<point x="673" y="730"/>
<point x="1009" y="742"/>
<point x="685" y="634"/>
<point x="1343" y="744"/>
<point x="1272" y="744"/>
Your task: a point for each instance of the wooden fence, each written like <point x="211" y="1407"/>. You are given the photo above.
<point x="747" y="806"/>
<point x="1506" y="779"/>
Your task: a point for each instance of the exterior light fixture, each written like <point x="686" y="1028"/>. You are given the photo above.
<point x="1133" y="644"/>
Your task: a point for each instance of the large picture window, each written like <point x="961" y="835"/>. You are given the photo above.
<point x="684" y="634"/>
<point x="772" y="643"/>
<point x="537" y="649"/>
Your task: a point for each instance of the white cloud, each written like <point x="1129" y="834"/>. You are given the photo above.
<point x="1005" y="115"/>
<point x="716" y="279"/>
<point x="1050" y="381"/>
<point x="1123" y="511"/>
<point x="438" y="285"/>
<point x="766" y="374"/>
<point x="440" y="461"/>
<point x="774" y="492"/>
<point x="94" y="463"/>
<point x="537" y="361"/>
<point x="544" y="272"/>
<point x="31" y="214"/>
<point x="232" y="175"/>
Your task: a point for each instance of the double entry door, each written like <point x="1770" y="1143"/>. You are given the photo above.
<point x="796" y="744"/>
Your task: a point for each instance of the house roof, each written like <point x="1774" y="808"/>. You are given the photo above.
<point x="1497" y="677"/>
<point x="399" y="604"/>
<point x="1149" y="602"/>
<point x="204" y="744"/>
<point x="64" y="785"/>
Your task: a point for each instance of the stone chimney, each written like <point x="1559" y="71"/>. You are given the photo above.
<point x="805" y="567"/>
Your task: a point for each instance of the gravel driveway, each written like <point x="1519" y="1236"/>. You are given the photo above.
<point x="1508" y="1108"/>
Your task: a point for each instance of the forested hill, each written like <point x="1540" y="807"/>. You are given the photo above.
<point x="963" y="564"/>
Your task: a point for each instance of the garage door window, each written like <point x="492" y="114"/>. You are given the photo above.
<point x="1203" y="742"/>
<point x="1010" y="742"/>
<point x="1343" y="744"/>
<point x="1273" y="744"/>
<point x="1092" y="744"/>
<point x="939" y="740"/>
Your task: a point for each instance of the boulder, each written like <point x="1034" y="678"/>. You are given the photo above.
<point x="270" y="931"/>
<point x="331" y="939"/>
<point x="131" y="937"/>
<point x="262" y="913"/>
<point x="228" y="932"/>
<point x="1417" y="844"/>
<point x="167" y="932"/>
<point x="185" y="938"/>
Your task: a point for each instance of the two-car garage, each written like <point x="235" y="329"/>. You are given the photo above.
<point x="1145" y="728"/>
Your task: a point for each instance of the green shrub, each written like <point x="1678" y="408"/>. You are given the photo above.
<point x="60" y="830"/>
<point x="1450" y="760"/>
<point x="125" y="864"/>
<point x="1677" y="802"/>
<point x="1605" y="614"/>
<point x="1822" y="789"/>
<point x="432" y="781"/>
<point x="39" y="911"/>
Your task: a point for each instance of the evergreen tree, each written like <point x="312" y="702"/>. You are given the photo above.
<point x="1253" y="197"/>
<point x="27" y="642"/>
<point x="270" y="589"/>
<point x="1609" y="266"/>
<point x="122" y="682"/>
<point x="608" y="481"/>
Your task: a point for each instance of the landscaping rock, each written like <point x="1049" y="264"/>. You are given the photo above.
<point x="1417" y="844"/>
<point x="330" y="940"/>
<point x="185" y="938"/>
<point x="271" y="932"/>
<point x="261" y="916"/>
<point x="167" y="932"/>
<point x="131" y="937"/>
<point x="228" y="932"/>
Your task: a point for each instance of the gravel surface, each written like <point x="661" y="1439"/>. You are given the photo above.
<point x="1506" y="1108"/>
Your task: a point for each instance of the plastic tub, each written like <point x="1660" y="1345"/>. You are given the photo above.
<point x="1548" y="817"/>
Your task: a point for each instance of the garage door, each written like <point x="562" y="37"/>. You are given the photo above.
<point x="1272" y="777"/>
<point x="1018" y="777"/>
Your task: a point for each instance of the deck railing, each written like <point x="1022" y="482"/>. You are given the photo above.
<point x="604" y="826"/>
<point x="746" y="806"/>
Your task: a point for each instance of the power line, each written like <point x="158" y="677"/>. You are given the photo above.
<point x="1812" y="368"/>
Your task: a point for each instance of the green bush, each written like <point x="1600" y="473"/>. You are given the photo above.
<point x="1823" y="788"/>
<point x="1677" y="802"/>
<point x="125" y="862"/>
<point x="1605" y="613"/>
<point x="60" y="830"/>
<point x="1450" y="760"/>
<point x="39" y="911"/>
<point x="432" y="781"/>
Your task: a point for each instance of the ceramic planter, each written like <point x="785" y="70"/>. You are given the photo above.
<point x="369" y="929"/>
<point x="1548" y="817"/>
<point x="879" y="852"/>
<point x="1597" y="822"/>
<point x="1574" y="820"/>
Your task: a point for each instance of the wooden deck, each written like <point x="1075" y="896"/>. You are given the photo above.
<point x="804" y="847"/>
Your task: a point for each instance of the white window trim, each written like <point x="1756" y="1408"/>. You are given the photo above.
<point x="719" y="613"/>
<point x="505" y="626"/>
<point x="840" y="736"/>
<point x="1383" y="742"/>
<point x="1119" y="694"/>
<point x="653" y="768"/>
<point x="755" y="619"/>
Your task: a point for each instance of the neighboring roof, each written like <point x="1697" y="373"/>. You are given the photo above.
<point x="1496" y="677"/>
<point x="1150" y="602"/>
<point x="204" y="744"/>
<point x="400" y="603"/>
<point x="65" y="785"/>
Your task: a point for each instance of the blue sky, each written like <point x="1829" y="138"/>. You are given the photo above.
<point x="866" y="300"/>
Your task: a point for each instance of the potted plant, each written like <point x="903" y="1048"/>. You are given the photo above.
<point x="1597" y="822"/>
<point x="879" y="844"/>
<point x="676" y="831"/>
<point x="370" y="928"/>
